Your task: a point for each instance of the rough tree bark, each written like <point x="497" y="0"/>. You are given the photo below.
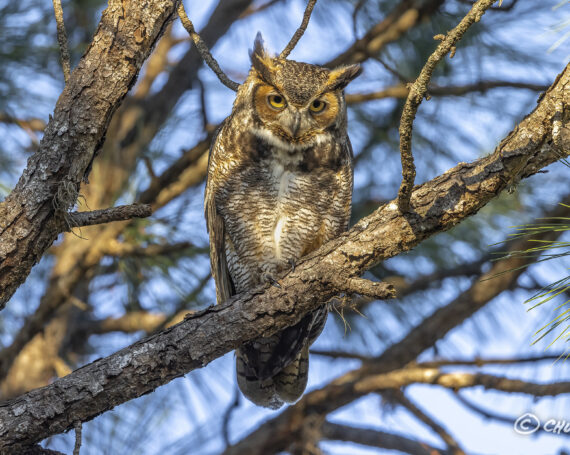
<point x="540" y="139"/>
<point x="31" y="216"/>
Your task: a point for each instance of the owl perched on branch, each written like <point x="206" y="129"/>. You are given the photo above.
<point x="279" y="186"/>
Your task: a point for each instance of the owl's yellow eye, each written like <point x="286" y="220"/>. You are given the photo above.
<point x="276" y="101"/>
<point x="317" y="106"/>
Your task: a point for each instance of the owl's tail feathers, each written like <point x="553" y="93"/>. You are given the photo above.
<point x="287" y="386"/>
<point x="259" y="391"/>
<point x="291" y="381"/>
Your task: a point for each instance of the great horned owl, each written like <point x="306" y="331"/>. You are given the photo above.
<point x="279" y="186"/>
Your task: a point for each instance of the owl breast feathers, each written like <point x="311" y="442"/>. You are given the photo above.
<point x="279" y="186"/>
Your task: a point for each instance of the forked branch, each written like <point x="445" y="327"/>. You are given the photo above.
<point x="418" y="91"/>
<point x="204" y="51"/>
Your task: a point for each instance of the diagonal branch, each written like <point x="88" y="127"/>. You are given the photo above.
<point x="30" y="216"/>
<point x="440" y="204"/>
<point x="300" y="31"/>
<point x="376" y="438"/>
<point x="420" y="414"/>
<point x="417" y="92"/>
<point x="204" y="51"/>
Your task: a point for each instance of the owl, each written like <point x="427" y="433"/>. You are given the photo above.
<point x="279" y="185"/>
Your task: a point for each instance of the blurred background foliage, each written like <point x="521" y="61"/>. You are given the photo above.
<point x="160" y="268"/>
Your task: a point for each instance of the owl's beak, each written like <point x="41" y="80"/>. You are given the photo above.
<point x="295" y="124"/>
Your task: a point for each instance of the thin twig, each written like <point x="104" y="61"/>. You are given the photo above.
<point x="452" y="444"/>
<point x="228" y="415"/>
<point x="355" y="12"/>
<point x="32" y="124"/>
<point x="78" y="429"/>
<point x="257" y="9"/>
<point x="297" y="36"/>
<point x="204" y="51"/>
<point x="479" y="362"/>
<point x="488" y="415"/>
<point x="403" y="79"/>
<point x="62" y="39"/>
<point x="401" y="91"/>
<point x="417" y="92"/>
<point x="119" y="213"/>
<point x="340" y="355"/>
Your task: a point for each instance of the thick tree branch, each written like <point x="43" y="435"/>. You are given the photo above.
<point x="439" y="205"/>
<point x="30" y="215"/>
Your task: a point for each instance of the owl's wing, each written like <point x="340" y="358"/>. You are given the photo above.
<point x="217" y="230"/>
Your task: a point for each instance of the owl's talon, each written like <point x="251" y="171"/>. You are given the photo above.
<point x="272" y="281"/>
<point x="292" y="264"/>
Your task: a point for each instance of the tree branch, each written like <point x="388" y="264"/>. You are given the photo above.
<point x="30" y="215"/>
<point x="402" y="91"/>
<point x="32" y="124"/>
<point x="407" y="376"/>
<point x="119" y="213"/>
<point x="453" y="446"/>
<point x="121" y="249"/>
<point x="417" y="92"/>
<point x="407" y="14"/>
<point x="377" y="438"/>
<point x="440" y="204"/>
<point x="62" y="40"/>
<point x="204" y="51"/>
<point x="494" y="416"/>
<point x="300" y="31"/>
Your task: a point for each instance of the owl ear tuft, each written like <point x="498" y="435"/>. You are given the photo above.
<point x="261" y="60"/>
<point x="339" y="78"/>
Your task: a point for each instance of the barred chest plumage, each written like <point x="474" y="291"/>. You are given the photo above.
<point x="283" y="205"/>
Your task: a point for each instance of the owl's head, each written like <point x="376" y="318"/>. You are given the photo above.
<point x="297" y="103"/>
